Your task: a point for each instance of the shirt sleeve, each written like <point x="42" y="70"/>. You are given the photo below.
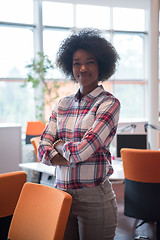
<point x="46" y="151"/>
<point x="100" y="134"/>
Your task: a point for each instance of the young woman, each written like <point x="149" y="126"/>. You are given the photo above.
<point x="79" y="133"/>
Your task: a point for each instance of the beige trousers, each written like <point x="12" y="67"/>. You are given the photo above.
<point x="93" y="214"/>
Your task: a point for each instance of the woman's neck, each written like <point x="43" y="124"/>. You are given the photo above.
<point x="85" y="91"/>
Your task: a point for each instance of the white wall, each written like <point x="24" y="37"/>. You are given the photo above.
<point x="10" y="148"/>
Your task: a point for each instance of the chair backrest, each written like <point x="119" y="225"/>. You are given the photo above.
<point x="35" y="143"/>
<point x="141" y="165"/>
<point x="41" y="213"/>
<point x="142" y="183"/>
<point x="34" y="129"/>
<point x="10" y="187"/>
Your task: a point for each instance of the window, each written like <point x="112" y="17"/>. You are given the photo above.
<point x="125" y="19"/>
<point x="18" y="11"/>
<point x="131" y="50"/>
<point x="58" y="14"/>
<point x="132" y="98"/>
<point x="124" y="27"/>
<point x="92" y="16"/>
<point x="52" y="39"/>
<point x="16" y="48"/>
<point x="16" y="103"/>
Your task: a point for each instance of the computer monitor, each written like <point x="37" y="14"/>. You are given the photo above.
<point x="138" y="141"/>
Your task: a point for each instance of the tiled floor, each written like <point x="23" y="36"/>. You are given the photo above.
<point x="126" y="225"/>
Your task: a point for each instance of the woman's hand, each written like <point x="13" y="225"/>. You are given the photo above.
<point x="58" y="145"/>
<point x="59" y="160"/>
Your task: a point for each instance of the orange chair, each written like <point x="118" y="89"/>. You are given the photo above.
<point x="35" y="143"/>
<point x="142" y="185"/>
<point x="10" y="188"/>
<point x="34" y="129"/>
<point x="41" y="213"/>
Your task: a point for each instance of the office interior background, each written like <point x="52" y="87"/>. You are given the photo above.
<point x="31" y="26"/>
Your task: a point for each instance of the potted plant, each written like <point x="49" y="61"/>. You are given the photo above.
<point x="38" y="71"/>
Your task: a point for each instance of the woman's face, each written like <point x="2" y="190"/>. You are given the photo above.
<point x="85" y="69"/>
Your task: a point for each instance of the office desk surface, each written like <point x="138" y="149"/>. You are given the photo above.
<point x="40" y="167"/>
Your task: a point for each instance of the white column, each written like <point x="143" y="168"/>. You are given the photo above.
<point x="38" y="47"/>
<point x="38" y="31"/>
<point x="153" y="85"/>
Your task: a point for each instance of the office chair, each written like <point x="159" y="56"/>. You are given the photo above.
<point x="34" y="129"/>
<point x="10" y="188"/>
<point x="35" y="143"/>
<point x="41" y="213"/>
<point x="142" y="185"/>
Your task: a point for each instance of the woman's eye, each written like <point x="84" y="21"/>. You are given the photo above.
<point x="90" y="62"/>
<point x="76" y="64"/>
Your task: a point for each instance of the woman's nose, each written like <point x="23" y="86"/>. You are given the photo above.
<point x="83" y="68"/>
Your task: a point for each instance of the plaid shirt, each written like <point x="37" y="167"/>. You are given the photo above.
<point x="87" y="127"/>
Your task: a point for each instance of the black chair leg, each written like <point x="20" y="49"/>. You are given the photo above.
<point x="39" y="177"/>
<point x="158" y="230"/>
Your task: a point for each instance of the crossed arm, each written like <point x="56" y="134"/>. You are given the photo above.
<point x="58" y="159"/>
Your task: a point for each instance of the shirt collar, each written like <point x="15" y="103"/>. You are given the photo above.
<point x="98" y="90"/>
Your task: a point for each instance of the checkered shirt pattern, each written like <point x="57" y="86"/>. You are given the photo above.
<point x="87" y="127"/>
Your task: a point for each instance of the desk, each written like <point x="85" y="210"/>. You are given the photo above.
<point x="47" y="176"/>
<point x="39" y="167"/>
<point x="50" y="170"/>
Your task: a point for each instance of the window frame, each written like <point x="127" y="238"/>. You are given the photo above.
<point x="38" y="29"/>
